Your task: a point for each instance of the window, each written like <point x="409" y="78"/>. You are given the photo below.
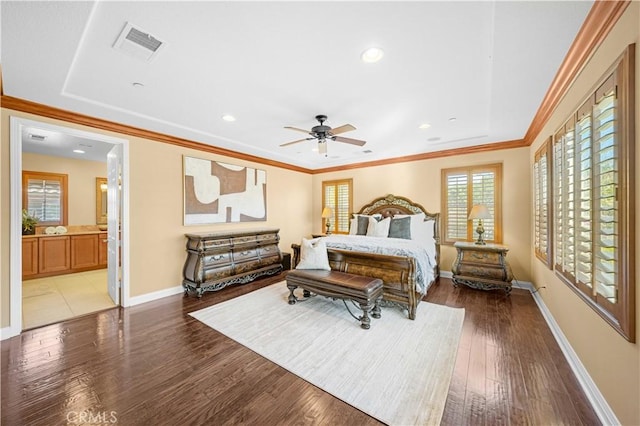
<point x="593" y="188"/>
<point x="44" y="195"/>
<point x="337" y="195"/>
<point x="462" y="189"/>
<point x="541" y="206"/>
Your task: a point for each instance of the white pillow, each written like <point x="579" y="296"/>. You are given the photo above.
<point x="423" y="231"/>
<point x="353" y="226"/>
<point x="378" y="229"/>
<point x="313" y="255"/>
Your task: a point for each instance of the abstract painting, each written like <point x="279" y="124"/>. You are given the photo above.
<point x="217" y="192"/>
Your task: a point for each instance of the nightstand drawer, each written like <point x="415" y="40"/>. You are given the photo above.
<point x="489" y="258"/>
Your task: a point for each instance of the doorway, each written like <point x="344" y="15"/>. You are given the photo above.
<point x="115" y="276"/>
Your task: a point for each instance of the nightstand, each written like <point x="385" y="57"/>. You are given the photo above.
<point x="482" y="266"/>
<point x="318" y="235"/>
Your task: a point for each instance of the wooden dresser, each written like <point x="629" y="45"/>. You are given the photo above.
<point x="482" y="266"/>
<point x="218" y="259"/>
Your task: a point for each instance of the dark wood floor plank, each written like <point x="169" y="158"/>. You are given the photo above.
<point x="155" y="364"/>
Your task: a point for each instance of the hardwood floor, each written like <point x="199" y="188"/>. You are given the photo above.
<point x="152" y="364"/>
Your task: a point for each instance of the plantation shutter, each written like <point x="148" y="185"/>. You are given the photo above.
<point x="584" y="234"/>
<point x="606" y="148"/>
<point x="457" y="206"/>
<point x="337" y="196"/>
<point x="541" y="203"/>
<point x="465" y="188"/>
<point x="483" y="192"/>
<point x="44" y="197"/>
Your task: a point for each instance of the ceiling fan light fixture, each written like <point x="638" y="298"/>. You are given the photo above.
<point x="372" y="55"/>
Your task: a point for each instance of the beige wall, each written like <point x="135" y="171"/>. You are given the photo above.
<point x="81" y="182"/>
<point x="157" y="243"/>
<point x="420" y="182"/>
<point x="612" y="362"/>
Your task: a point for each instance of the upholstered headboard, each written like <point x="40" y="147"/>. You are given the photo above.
<point x="391" y="205"/>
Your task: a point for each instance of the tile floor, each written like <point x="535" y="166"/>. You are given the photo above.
<point x="53" y="299"/>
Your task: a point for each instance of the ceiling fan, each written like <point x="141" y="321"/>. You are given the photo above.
<point x="322" y="133"/>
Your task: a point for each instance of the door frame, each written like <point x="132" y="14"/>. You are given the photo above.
<point x="15" y="251"/>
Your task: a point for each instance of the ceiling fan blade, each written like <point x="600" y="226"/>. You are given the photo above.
<point x="342" y="129"/>
<point x="298" y="129"/>
<point x="349" y="140"/>
<point x="299" y="140"/>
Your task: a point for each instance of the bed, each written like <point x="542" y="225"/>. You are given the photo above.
<point x="407" y="266"/>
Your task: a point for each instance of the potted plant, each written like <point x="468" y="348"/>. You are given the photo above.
<point x="29" y="223"/>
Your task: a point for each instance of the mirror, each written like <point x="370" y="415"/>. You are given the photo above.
<point x="101" y="201"/>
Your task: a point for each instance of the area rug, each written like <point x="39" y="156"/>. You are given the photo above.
<point x="398" y="371"/>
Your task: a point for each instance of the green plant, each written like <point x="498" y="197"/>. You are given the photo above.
<point x="29" y="222"/>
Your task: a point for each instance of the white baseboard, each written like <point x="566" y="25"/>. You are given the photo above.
<point x="8" y="332"/>
<point x="599" y="404"/>
<point x="149" y="297"/>
<point x="446" y="274"/>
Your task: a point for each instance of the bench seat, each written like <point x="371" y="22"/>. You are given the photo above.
<point x="365" y="291"/>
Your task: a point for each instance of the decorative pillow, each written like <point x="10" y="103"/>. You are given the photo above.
<point x="418" y="228"/>
<point x="360" y="223"/>
<point x="400" y="228"/>
<point x="313" y="255"/>
<point x="378" y="228"/>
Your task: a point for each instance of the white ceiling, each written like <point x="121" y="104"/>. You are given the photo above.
<point x="274" y="64"/>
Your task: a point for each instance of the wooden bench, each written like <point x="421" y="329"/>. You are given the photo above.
<point x="365" y="291"/>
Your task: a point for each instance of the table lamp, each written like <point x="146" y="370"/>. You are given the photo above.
<point x="327" y="213"/>
<point x="479" y="212"/>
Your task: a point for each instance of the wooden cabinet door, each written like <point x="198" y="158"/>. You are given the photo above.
<point x="102" y="249"/>
<point x="29" y="257"/>
<point x="54" y="254"/>
<point x="84" y="251"/>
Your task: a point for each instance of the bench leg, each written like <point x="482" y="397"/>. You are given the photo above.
<point x="365" y="321"/>
<point x="376" y="313"/>
<point x="292" y="297"/>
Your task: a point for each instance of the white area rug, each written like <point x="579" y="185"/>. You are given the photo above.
<point x="398" y="371"/>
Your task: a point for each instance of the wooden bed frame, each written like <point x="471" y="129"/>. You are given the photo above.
<point x="397" y="272"/>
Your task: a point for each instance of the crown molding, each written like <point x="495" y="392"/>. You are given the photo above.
<point x="30" y="107"/>
<point x="518" y="143"/>
<point x="601" y="19"/>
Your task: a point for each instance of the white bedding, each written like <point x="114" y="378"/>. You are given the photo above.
<point x="424" y="253"/>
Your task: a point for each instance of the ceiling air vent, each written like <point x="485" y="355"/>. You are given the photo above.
<point x="137" y="42"/>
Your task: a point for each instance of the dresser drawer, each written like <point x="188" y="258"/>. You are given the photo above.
<point x="243" y="240"/>
<point x="215" y="244"/>
<point x="245" y="255"/>
<point x="215" y="260"/>
<point x="268" y="251"/>
<point x="268" y="238"/>
<point x="217" y="273"/>
<point x="248" y="266"/>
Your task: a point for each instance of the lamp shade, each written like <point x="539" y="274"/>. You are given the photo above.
<point x="327" y="212"/>
<point x="479" y="211"/>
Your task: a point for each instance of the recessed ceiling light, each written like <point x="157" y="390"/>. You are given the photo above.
<point x="228" y="117"/>
<point x="372" y="54"/>
<point x="425" y="126"/>
<point x="78" y="151"/>
<point x="137" y="84"/>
